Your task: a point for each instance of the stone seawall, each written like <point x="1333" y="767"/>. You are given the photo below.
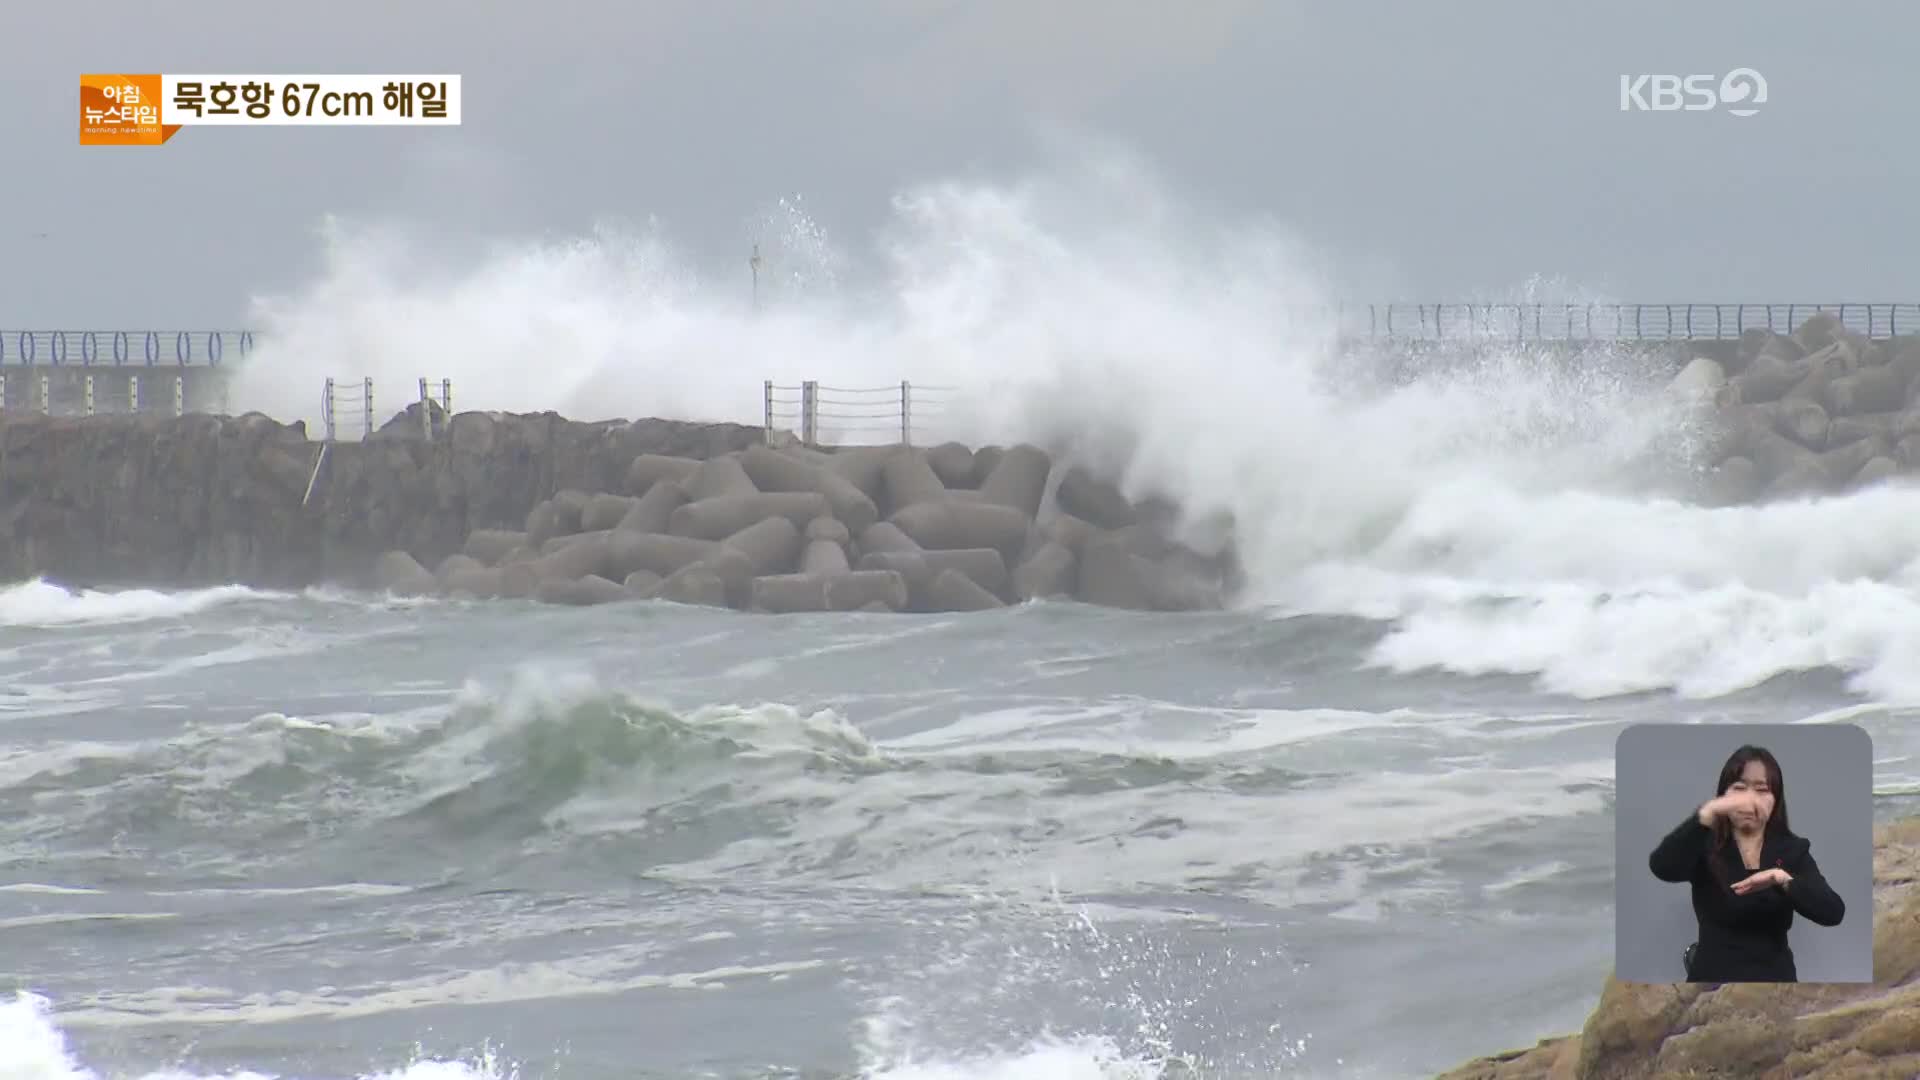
<point x="539" y="507"/>
<point x="200" y="499"/>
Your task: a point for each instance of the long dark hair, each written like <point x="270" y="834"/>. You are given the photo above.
<point x="1776" y="784"/>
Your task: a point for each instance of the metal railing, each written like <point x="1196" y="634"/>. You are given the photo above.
<point x="838" y="414"/>
<point x="350" y="402"/>
<point x="96" y="394"/>
<point x="1597" y="322"/>
<point x="427" y="404"/>
<point x="123" y="348"/>
<point x="1465" y="321"/>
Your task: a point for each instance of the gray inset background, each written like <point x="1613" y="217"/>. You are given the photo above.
<point x="1663" y="772"/>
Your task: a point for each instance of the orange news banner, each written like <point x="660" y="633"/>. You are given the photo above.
<point x="122" y="110"/>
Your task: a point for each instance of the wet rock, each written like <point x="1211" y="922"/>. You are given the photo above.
<point x="1050" y="571"/>
<point x="581" y="592"/>
<point x="951" y="590"/>
<point x="1840" y="1031"/>
<point x="952" y="462"/>
<point x="653" y="511"/>
<point x="604" y="511"/>
<point x="723" y="515"/>
<point x="910" y="480"/>
<point x="401" y="574"/>
<point x="648" y="470"/>
<point x="492" y="546"/>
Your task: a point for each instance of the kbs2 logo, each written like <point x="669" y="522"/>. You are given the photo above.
<point x="1741" y="91"/>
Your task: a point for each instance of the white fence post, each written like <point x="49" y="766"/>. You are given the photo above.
<point x="766" y="393"/>
<point x="46" y="395"/>
<point x="366" y="387"/>
<point x="809" y="411"/>
<point x="906" y="413"/>
<point x="133" y="393"/>
<point x="179" y="396"/>
<point x="426" y="410"/>
<point x="86" y="392"/>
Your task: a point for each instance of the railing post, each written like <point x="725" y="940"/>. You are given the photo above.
<point x="809" y="411"/>
<point x="906" y="413"/>
<point x="46" y="395"/>
<point x="3" y="391"/>
<point x="366" y="388"/>
<point x="766" y="398"/>
<point x="326" y="409"/>
<point x="426" y="411"/>
<point x="133" y="393"/>
<point x="86" y="393"/>
<point x="179" y="395"/>
<point x="446" y="397"/>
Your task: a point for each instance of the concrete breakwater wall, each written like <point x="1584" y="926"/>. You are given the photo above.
<point x="1821" y="410"/>
<point x="204" y="500"/>
<point x="540" y="507"/>
<point x="947" y="528"/>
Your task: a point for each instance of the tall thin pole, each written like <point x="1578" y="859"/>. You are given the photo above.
<point x="753" y="263"/>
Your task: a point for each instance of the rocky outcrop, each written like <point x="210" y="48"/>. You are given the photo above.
<point x="1822" y="410"/>
<point x="201" y="499"/>
<point x="1816" y="1032"/>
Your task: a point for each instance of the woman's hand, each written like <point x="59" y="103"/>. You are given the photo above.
<point x="1727" y="805"/>
<point x="1764" y="879"/>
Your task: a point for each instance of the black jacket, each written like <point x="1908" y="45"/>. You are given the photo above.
<point x="1744" y="938"/>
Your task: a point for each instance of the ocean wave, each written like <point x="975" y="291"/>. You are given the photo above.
<point x="33" y="1047"/>
<point x="42" y="604"/>
<point x="1603" y="595"/>
<point x="1080" y="1058"/>
<point x="1506" y="510"/>
<point x="1119" y="794"/>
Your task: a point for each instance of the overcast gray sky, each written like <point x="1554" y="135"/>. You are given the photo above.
<point x="1431" y="151"/>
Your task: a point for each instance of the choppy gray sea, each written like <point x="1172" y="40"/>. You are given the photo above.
<point x="327" y="836"/>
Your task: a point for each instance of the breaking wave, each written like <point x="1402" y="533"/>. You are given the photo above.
<point x="1507" y="510"/>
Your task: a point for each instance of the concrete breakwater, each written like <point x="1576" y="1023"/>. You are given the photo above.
<point x="540" y="507"/>
<point x="793" y="529"/>
<point x="206" y="500"/>
<point x="1821" y="410"/>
